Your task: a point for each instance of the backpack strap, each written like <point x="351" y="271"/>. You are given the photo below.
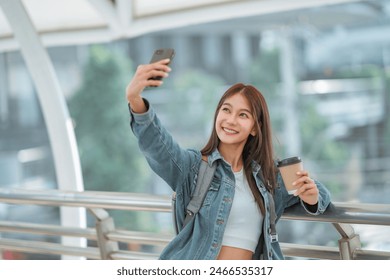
<point x="205" y="176"/>
<point x="174" y="218"/>
<point x="272" y="232"/>
<point x="272" y="229"/>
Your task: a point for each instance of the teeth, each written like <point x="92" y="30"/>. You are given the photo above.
<point x="229" y="130"/>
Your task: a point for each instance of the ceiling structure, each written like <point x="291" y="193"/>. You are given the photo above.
<point x="74" y="22"/>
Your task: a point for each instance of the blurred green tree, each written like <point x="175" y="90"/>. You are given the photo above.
<point x="110" y="158"/>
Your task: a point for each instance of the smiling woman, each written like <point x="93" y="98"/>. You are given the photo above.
<point x="237" y="222"/>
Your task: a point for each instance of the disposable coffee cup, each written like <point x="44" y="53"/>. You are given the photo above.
<point x="288" y="169"/>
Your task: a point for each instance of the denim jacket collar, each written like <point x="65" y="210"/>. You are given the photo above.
<point x="215" y="155"/>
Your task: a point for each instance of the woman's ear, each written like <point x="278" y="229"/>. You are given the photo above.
<point x="253" y="132"/>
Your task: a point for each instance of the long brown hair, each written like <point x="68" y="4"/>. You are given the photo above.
<point x="257" y="148"/>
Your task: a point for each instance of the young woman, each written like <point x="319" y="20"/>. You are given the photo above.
<point x="234" y="221"/>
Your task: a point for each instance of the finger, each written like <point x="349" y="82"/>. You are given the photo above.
<point x="308" y="188"/>
<point x="162" y="61"/>
<point x="153" y="83"/>
<point x="303" y="180"/>
<point x="147" y="80"/>
<point x="145" y="69"/>
<point x="163" y="67"/>
<point x="304" y="187"/>
<point x="156" y="73"/>
<point x="145" y="76"/>
<point x="303" y="173"/>
<point x="303" y="177"/>
<point x="299" y="191"/>
<point x="159" y="67"/>
<point x="162" y="64"/>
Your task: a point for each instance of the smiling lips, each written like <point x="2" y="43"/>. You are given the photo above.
<point x="229" y="131"/>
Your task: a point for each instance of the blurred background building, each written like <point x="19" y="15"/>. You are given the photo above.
<point x="323" y="67"/>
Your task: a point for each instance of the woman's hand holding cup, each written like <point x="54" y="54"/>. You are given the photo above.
<point x="297" y="180"/>
<point x="306" y="188"/>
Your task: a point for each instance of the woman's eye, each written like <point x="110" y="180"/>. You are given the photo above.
<point x="225" y="110"/>
<point x="243" y="115"/>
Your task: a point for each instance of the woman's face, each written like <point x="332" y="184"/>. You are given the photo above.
<point x="235" y="121"/>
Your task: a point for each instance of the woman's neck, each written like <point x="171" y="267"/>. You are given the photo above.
<point x="233" y="155"/>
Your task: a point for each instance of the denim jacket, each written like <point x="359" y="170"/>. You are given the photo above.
<point x="202" y="237"/>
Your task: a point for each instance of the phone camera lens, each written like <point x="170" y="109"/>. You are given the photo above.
<point x="159" y="51"/>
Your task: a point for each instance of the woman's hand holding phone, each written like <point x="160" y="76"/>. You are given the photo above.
<point x="144" y="77"/>
<point x="149" y="75"/>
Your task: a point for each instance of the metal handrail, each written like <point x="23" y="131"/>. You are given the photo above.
<point x="136" y="237"/>
<point x="48" y="248"/>
<point x="340" y="214"/>
<point x="337" y="212"/>
<point x="349" y="213"/>
<point x="54" y="230"/>
<point x="88" y="199"/>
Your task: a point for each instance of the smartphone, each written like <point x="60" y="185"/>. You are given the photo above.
<point x="160" y="54"/>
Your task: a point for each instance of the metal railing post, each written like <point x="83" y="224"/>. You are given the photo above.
<point x="349" y="242"/>
<point x="104" y="225"/>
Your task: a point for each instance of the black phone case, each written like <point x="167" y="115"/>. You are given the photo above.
<point x="160" y="54"/>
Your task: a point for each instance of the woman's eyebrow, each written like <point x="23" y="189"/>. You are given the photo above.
<point x="243" y="109"/>
<point x="247" y="110"/>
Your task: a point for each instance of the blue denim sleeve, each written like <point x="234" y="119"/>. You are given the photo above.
<point x="166" y="158"/>
<point x="323" y="200"/>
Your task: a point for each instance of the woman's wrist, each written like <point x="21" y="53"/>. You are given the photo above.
<point x="137" y="105"/>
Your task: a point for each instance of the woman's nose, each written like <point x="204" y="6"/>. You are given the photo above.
<point x="232" y="119"/>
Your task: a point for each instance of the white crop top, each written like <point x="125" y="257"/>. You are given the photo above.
<point x="245" y="220"/>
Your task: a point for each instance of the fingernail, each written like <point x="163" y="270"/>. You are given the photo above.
<point x="298" y="173"/>
<point x="169" y="69"/>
